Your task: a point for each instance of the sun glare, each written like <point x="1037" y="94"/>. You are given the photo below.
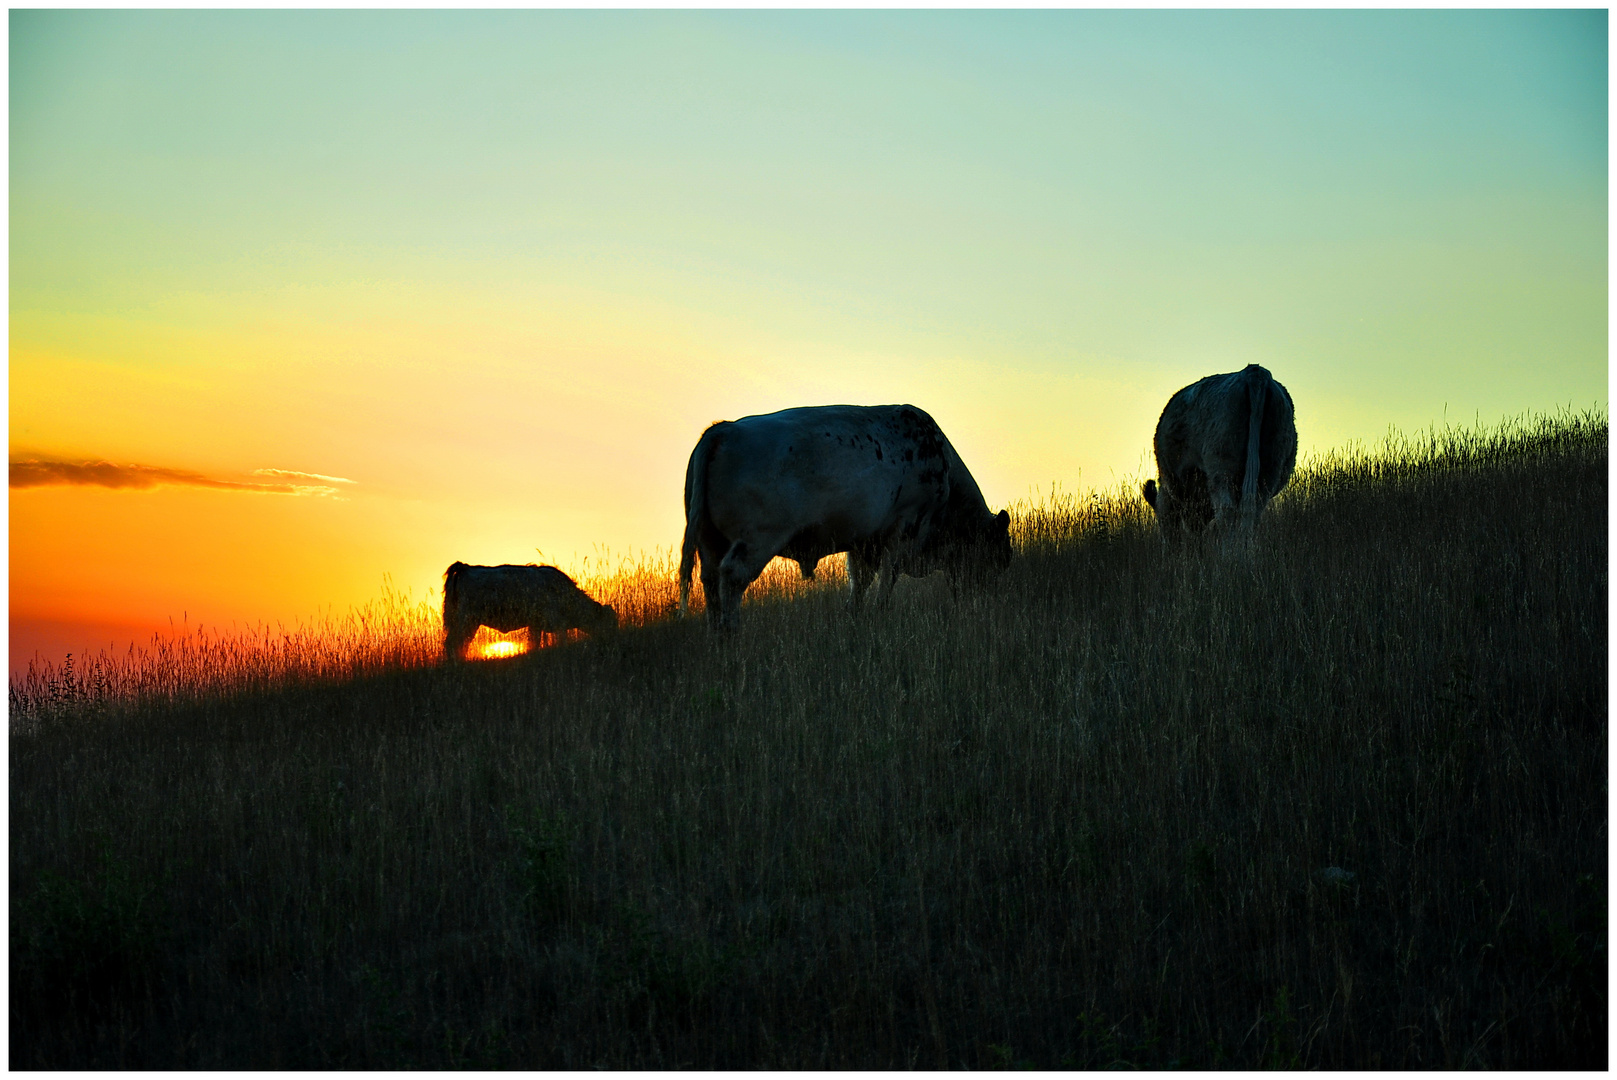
<point x="502" y="648"/>
<point x="489" y="644"/>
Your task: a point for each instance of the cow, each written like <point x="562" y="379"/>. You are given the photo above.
<point x="506" y="598"/>
<point x="880" y="482"/>
<point x="1225" y="446"/>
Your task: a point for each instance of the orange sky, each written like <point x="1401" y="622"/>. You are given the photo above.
<point x="499" y="269"/>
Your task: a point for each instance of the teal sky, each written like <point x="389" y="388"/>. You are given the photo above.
<point x="504" y="266"/>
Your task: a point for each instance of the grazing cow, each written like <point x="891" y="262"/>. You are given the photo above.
<point x="880" y="482"/>
<point x="1225" y="446"/>
<point x="506" y="598"/>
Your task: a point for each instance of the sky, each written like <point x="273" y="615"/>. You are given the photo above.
<point x="303" y="301"/>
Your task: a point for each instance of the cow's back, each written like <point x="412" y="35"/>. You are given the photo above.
<point x="845" y="470"/>
<point x="880" y="482"/>
<point x="1206" y="443"/>
<point x="1206" y="426"/>
<point x="513" y="597"/>
<point x="522" y="595"/>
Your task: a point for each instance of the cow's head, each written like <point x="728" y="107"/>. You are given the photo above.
<point x="999" y="539"/>
<point x="989" y="549"/>
<point x="604" y="624"/>
<point x="1183" y="507"/>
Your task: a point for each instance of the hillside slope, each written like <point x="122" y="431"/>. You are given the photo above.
<point x="1342" y="805"/>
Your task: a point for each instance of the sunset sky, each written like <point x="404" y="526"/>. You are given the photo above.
<point x="300" y="299"/>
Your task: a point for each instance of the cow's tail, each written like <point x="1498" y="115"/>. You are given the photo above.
<point x="1257" y="389"/>
<point x="452" y="588"/>
<point x="452" y="605"/>
<point x="695" y="512"/>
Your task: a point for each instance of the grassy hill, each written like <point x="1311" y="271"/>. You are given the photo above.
<point x="1341" y="805"/>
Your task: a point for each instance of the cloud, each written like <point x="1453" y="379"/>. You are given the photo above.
<point x="36" y="472"/>
<point x="293" y="473"/>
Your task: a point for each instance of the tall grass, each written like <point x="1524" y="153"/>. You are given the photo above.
<point x="392" y="633"/>
<point x="1341" y="803"/>
<point x="395" y="632"/>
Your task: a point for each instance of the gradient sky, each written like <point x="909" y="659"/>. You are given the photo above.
<point x="484" y="277"/>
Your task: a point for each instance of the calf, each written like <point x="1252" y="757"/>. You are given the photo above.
<point x="507" y="598"/>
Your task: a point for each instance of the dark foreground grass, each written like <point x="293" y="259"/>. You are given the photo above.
<point x="1340" y="805"/>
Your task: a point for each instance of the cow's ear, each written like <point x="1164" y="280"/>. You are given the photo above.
<point x="1004" y="519"/>
<point x="1151" y="493"/>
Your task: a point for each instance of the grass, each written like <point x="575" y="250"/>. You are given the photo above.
<point x="1080" y="820"/>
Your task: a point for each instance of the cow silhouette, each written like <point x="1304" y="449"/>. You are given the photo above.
<point x="509" y="597"/>
<point x="880" y="482"/>
<point x="1225" y="446"/>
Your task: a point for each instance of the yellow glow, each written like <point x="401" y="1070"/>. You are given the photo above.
<point x="489" y="644"/>
<point x="505" y="399"/>
<point x="502" y="648"/>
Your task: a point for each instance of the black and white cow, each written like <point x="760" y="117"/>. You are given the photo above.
<point x="880" y="482"/>
<point x="1225" y="446"/>
<point x="509" y="597"/>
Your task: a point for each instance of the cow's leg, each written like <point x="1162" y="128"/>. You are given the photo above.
<point x="1182" y="508"/>
<point x="1189" y="504"/>
<point x="711" y="555"/>
<point x="860" y="573"/>
<point x="1225" y="496"/>
<point x="1242" y="540"/>
<point x="1228" y="519"/>
<point x="1169" y="512"/>
<point x="566" y="614"/>
<point x="551" y="618"/>
<point x="739" y="568"/>
<point x="1250" y="509"/>
<point x="889" y="577"/>
<point x="456" y="636"/>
